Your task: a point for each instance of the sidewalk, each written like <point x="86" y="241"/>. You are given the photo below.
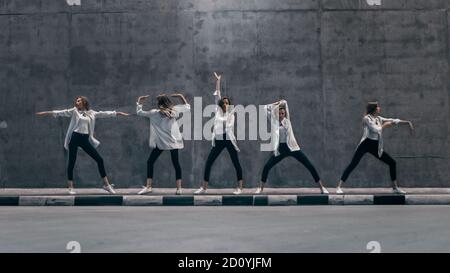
<point x="223" y="197"/>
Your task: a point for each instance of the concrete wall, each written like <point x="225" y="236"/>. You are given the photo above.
<point x="327" y="58"/>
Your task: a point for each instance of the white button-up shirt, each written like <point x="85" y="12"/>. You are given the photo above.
<point x="75" y="116"/>
<point x="223" y="123"/>
<point x="164" y="131"/>
<point x="372" y="129"/>
<point x="272" y="114"/>
<point x="82" y="126"/>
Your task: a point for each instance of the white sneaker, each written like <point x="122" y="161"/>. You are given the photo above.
<point x="323" y="190"/>
<point x="109" y="189"/>
<point x="258" y="191"/>
<point x="145" y="190"/>
<point x="200" y="191"/>
<point x="72" y="191"/>
<point x="398" y="191"/>
<point x="339" y="190"/>
<point x="238" y="191"/>
<point x="179" y="191"/>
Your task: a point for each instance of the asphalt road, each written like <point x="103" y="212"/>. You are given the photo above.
<point x="226" y="229"/>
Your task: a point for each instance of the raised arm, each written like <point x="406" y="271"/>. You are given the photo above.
<point x="139" y="105"/>
<point x="181" y="108"/>
<point x="272" y="109"/>
<point x="105" y="114"/>
<point x="181" y="96"/>
<point x="217" y="95"/>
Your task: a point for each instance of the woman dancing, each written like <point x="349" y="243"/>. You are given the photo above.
<point x="164" y="134"/>
<point x="222" y="138"/>
<point x="284" y="143"/>
<point x="81" y="134"/>
<point x="372" y="142"/>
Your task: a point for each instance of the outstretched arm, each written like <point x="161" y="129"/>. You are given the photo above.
<point x="109" y="114"/>
<point x="58" y="113"/>
<point x="391" y="121"/>
<point x="411" y="126"/>
<point x="122" y="114"/>
<point x="44" y="113"/>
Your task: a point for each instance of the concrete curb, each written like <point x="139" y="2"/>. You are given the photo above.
<point x="46" y="200"/>
<point x="226" y="200"/>
<point x="281" y="200"/>
<point x="110" y="200"/>
<point x="142" y="200"/>
<point x="358" y="200"/>
<point x="441" y="199"/>
<point x="179" y="200"/>
<point x="211" y="200"/>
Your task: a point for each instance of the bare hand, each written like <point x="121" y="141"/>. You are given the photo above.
<point x="42" y="113"/>
<point x="411" y="127"/>
<point x="141" y="99"/>
<point x="218" y="77"/>
<point x="122" y="114"/>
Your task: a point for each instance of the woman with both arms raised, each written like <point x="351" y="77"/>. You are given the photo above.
<point x="164" y="134"/>
<point x="284" y="143"/>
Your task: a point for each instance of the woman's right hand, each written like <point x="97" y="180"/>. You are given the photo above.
<point x="141" y="99"/>
<point x="41" y="114"/>
<point x="218" y="77"/>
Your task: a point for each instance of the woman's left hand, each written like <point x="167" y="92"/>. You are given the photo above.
<point x="411" y="126"/>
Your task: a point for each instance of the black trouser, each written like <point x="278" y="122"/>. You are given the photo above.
<point x="156" y="152"/>
<point x="82" y="140"/>
<point x="221" y="144"/>
<point x="285" y="152"/>
<point x="370" y="146"/>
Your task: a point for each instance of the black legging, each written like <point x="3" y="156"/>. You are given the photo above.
<point x="370" y="146"/>
<point x="156" y="152"/>
<point x="221" y="144"/>
<point x="285" y="152"/>
<point x="82" y="140"/>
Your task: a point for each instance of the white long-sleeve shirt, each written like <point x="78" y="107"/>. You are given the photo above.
<point x="82" y="125"/>
<point x="283" y="134"/>
<point x="272" y="114"/>
<point x="372" y="129"/>
<point x="75" y="116"/>
<point x="164" y="131"/>
<point x="223" y="123"/>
